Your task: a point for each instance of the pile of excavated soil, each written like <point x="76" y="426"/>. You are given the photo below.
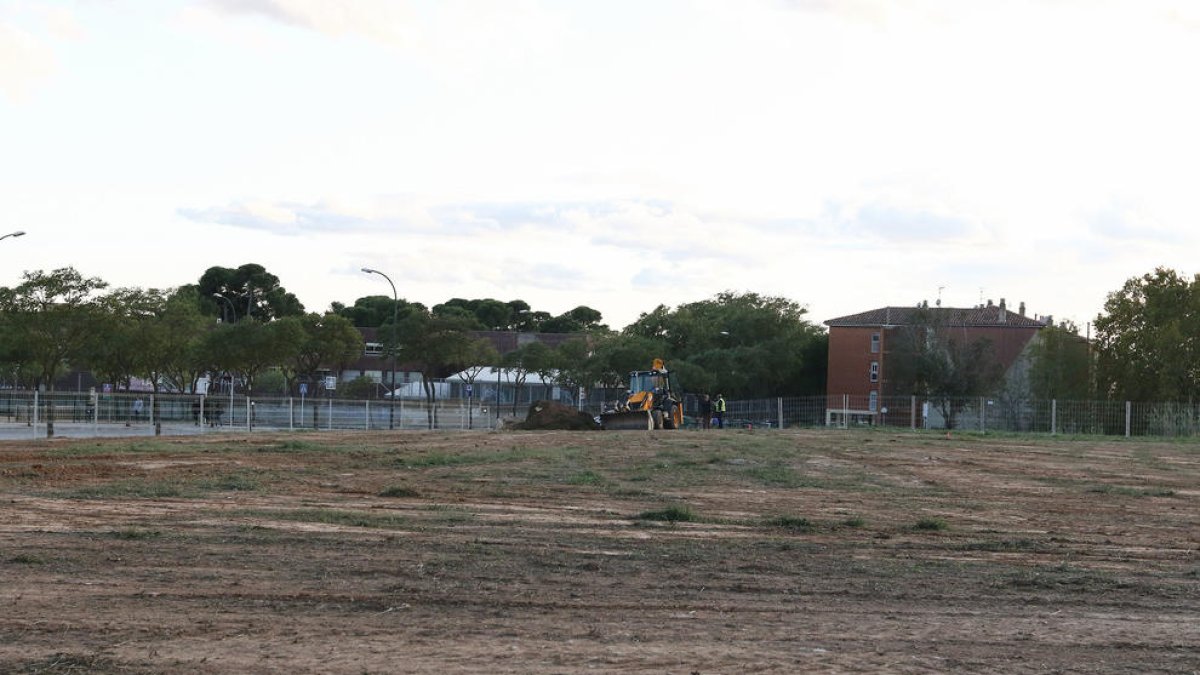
<point x="544" y="415"/>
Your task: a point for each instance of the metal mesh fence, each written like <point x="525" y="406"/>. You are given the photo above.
<point x="40" y="414"/>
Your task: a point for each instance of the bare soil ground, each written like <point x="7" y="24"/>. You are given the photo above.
<point x="553" y="552"/>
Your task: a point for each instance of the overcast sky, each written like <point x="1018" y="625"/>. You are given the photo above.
<point x="846" y="154"/>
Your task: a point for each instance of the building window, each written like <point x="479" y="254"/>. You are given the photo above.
<point x="874" y="371"/>
<point x="873" y="402"/>
<point x="874" y="343"/>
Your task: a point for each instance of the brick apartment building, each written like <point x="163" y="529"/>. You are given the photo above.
<point x="860" y="346"/>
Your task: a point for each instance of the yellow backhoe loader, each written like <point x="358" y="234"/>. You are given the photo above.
<point x="652" y="402"/>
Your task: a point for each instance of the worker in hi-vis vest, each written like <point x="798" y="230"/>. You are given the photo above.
<point x="719" y="411"/>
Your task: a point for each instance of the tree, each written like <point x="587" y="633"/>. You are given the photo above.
<point x="615" y="356"/>
<point x="250" y="347"/>
<point x="247" y="292"/>
<point x="119" y="347"/>
<point x="582" y="319"/>
<point x="740" y="344"/>
<point x="574" y="364"/>
<point x="437" y="346"/>
<point x="1146" y="339"/>
<point x="375" y="311"/>
<point x="51" y="315"/>
<point x="183" y="328"/>
<point x="515" y="363"/>
<point x="480" y="354"/>
<point x="1060" y="364"/>
<point x="489" y="313"/>
<point x="931" y="360"/>
<point x="326" y="340"/>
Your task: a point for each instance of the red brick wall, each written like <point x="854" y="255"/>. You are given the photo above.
<point x="850" y="362"/>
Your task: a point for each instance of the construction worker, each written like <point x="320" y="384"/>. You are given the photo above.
<point x="719" y="411"/>
<point x="706" y="411"/>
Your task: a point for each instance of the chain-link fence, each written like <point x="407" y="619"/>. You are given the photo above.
<point x="26" y="414"/>
<point x="42" y="414"/>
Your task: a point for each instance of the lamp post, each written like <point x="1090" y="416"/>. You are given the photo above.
<point x="229" y="302"/>
<point x="18" y="233"/>
<point x="395" y="340"/>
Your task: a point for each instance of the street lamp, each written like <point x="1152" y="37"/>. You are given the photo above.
<point x="231" y="307"/>
<point x="395" y="340"/>
<point x="18" y="233"/>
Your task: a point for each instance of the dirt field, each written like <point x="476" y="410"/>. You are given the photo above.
<point x="551" y="552"/>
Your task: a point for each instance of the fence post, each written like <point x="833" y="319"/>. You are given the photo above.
<point x="845" y="411"/>
<point x="982" y="415"/>
<point x="33" y="417"/>
<point x="1053" y="416"/>
<point x="780" y="418"/>
<point x="329" y="422"/>
<point x="1128" y="417"/>
<point x="291" y="415"/>
<point x="368" y="410"/>
<point x="912" y="411"/>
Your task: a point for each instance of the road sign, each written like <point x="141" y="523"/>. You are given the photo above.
<point x="330" y="382"/>
<point x="468" y="389"/>
<point x="304" y="389"/>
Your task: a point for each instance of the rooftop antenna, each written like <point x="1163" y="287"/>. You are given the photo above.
<point x="939" y="300"/>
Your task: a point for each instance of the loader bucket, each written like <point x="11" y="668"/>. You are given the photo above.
<point x="636" y="420"/>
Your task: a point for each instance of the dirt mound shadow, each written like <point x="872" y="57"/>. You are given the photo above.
<point x="551" y="415"/>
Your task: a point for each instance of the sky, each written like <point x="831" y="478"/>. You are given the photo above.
<point x="844" y="154"/>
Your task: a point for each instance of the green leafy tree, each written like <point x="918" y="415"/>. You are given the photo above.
<point x="52" y="316"/>
<point x="575" y="366"/>
<point x="743" y="345"/>
<point x="615" y="356"/>
<point x="375" y="311"/>
<point x="246" y="292"/>
<point x="1060" y="364"/>
<point x="933" y="361"/>
<point x="251" y="347"/>
<point x="437" y="347"/>
<point x="489" y="313"/>
<point x="521" y="362"/>
<point x="479" y="357"/>
<point x="582" y="319"/>
<point x="1146" y="339"/>
<point x="326" y="340"/>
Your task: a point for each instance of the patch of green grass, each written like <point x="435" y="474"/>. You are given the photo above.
<point x="296" y="446"/>
<point x="793" y="523"/>
<point x="135" y="533"/>
<point x="233" y="482"/>
<point x="931" y="525"/>
<point x="398" y="491"/>
<point x="1126" y="491"/>
<point x="776" y="475"/>
<point x="135" y="488"/>
<point x="140" y="488"/>
<point x="585" y="478"/>
<point x="672" y="514"/>
<point x="27" y="559"/>
<point x="334" y="517"/>
<point x="854" y="521"/>
<point x="1001" y="545"/>
<point x="132" y="447"/>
